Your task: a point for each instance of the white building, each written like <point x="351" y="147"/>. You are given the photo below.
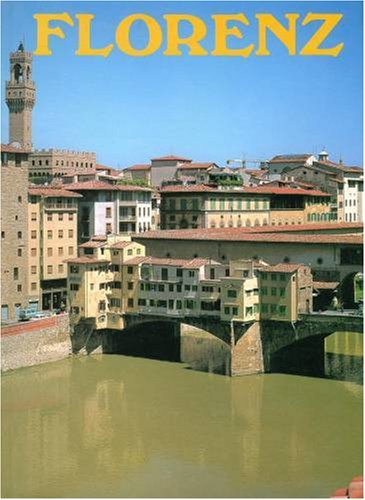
<point x="112" y="209"/>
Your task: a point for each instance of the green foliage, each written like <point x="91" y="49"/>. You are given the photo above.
<point x="135" y="182"/>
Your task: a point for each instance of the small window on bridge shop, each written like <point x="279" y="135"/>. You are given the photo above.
<point x="351" y="256"/>
<point x="74" y="287"/>
<point x="74" y="269"/>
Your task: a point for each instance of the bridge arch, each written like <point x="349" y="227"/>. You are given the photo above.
<point x="170" y="340"/>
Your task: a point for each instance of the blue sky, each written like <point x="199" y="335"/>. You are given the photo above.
<point x="130" y="109"/>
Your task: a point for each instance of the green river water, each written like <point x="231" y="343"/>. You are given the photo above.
<point x="117" y="426"/>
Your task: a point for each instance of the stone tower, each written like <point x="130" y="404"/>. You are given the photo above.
<point x="20" y="97"/>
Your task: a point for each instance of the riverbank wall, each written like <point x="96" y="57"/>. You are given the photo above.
<point x="35" y="342"/>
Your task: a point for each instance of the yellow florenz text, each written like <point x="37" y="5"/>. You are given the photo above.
<point x="227" y="27"/>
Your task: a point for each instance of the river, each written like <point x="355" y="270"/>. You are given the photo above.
<point x="118" y="426"/>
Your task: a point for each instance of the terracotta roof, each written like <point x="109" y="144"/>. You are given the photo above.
<point x="93" y="244"/>
<point x="197" y="166"/>
<point x="138" y="167"/>
<point x="198" y="188"/>
<point x="306" y="227"/>
<point x="112" y="170"/>
<point x="85" y="259"/>
<point x="256" y="173"/>
<point x="357" y="170"/>
<point x="298" y="158"/>
<point x="104" y="186"/>
<point x="282" y="268"/>
<point x="99" y="237"/>
<point x="92" y="186"/>
<point x="79" y="173"/>
<point x="237" y="234"/>
<point x="52" y="192"/>
<point x="317" y="168"/>
<point x="120" y="244"/>
<point x="8" y="148"/>
<point x="184" y="263"/>
<point x="171" y="157"/>
<point x="325" y="285"/>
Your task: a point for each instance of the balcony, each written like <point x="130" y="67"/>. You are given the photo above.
<point x="71" y="207"/>
<point x="130" y="218"/>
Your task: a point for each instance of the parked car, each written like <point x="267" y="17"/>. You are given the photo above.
<point x="27" y="314"/>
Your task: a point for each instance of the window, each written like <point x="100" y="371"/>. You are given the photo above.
<point x="19" y="252"/>
<point x="15" y="273"/>
<point x="70" y="216"/>
<point x="49" y="217"/>
<point x="74" y="269"/>
<point x="74" y="287"/>
<point x="115" y="302"/>
<point x="161" y="288"/>
<point x="282" y="277"/>
<point x="33" y="285"/>
<point x="264" y="276"/>
<point x="34" y="216"/>
<point x="19" y="235"/>
<point x="232" y="294"/>
<point x="60" y="217"/>
<point x="49" y="234"/>
<point x="191" y="274"/>
<point x="60" y="268"/>
<point x="60" y="233"/>
<point x="273" y="277"/>
<point x="2" y="235"/>
<point x="70" y="250"/>
<point x="141" y="302"/>
<point x="130" y="270"/>
<point x="33" y="252"/>
<point x="282" y="310"/>
<point x="130" y="252"/>
<point x="108" y="212"/>
<point x="70" y="233"/>
<point x="273" y="291"/>
<point x="130" y="302"/>
<point x="108" y="228"/>
<point x="91" y="286"/>
<point x="19" y="288"/>
<point x="183" y="204"/>
<point x="130" y="285"/>
<point x="264" y="308"/>
<point x="33" y="269"/>
<point x="273" y="308"/>
<point x="19" y="199"/>
<point x="235" y="311"/>
<point x="264" y="290"/>
<point x="282" y="292"/>
<point x="212" y="273"/>
<point x="50" y="269"/>
<point x="227" y="310"/>
<point x="179" y="273"/>
<point x="102" y="306"/>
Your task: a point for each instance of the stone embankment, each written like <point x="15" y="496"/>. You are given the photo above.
<point x="34" y="342"/>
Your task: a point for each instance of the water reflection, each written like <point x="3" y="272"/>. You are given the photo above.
<point x="344" y="357"/>
<point x="113" y="426"/>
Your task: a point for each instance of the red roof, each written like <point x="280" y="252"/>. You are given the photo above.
<point x="85" y="259"/>
<point x="8" y="148"/>
<point x="197" y="166"/>
<point x="237" y="234"/>
<point x="52" y="192"/>
<point x="185" y="263"/>
<point x="170" y="158"/>
<point x="93" y="244"/>
<point x="244" y="190"/>
<point x="282" y="268"/>
<point x="138" y="167"/>
<point x="120" y="244"/>
<point x="306" y="227"/>
<point x="325" y="285"/>
<point x="103" y="186"/>
<point x="298" y="158"/>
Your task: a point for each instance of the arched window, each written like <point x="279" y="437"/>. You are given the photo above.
<point x="18" y="73"/>
<point x="248" y="223"/>
<point x="257" y="222"/>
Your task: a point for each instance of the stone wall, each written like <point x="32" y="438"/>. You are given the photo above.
<point x="35" y="342"/>
<point x="247" y="354"/>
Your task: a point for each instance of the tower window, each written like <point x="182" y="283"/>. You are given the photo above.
<point x="40" y="162"/>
